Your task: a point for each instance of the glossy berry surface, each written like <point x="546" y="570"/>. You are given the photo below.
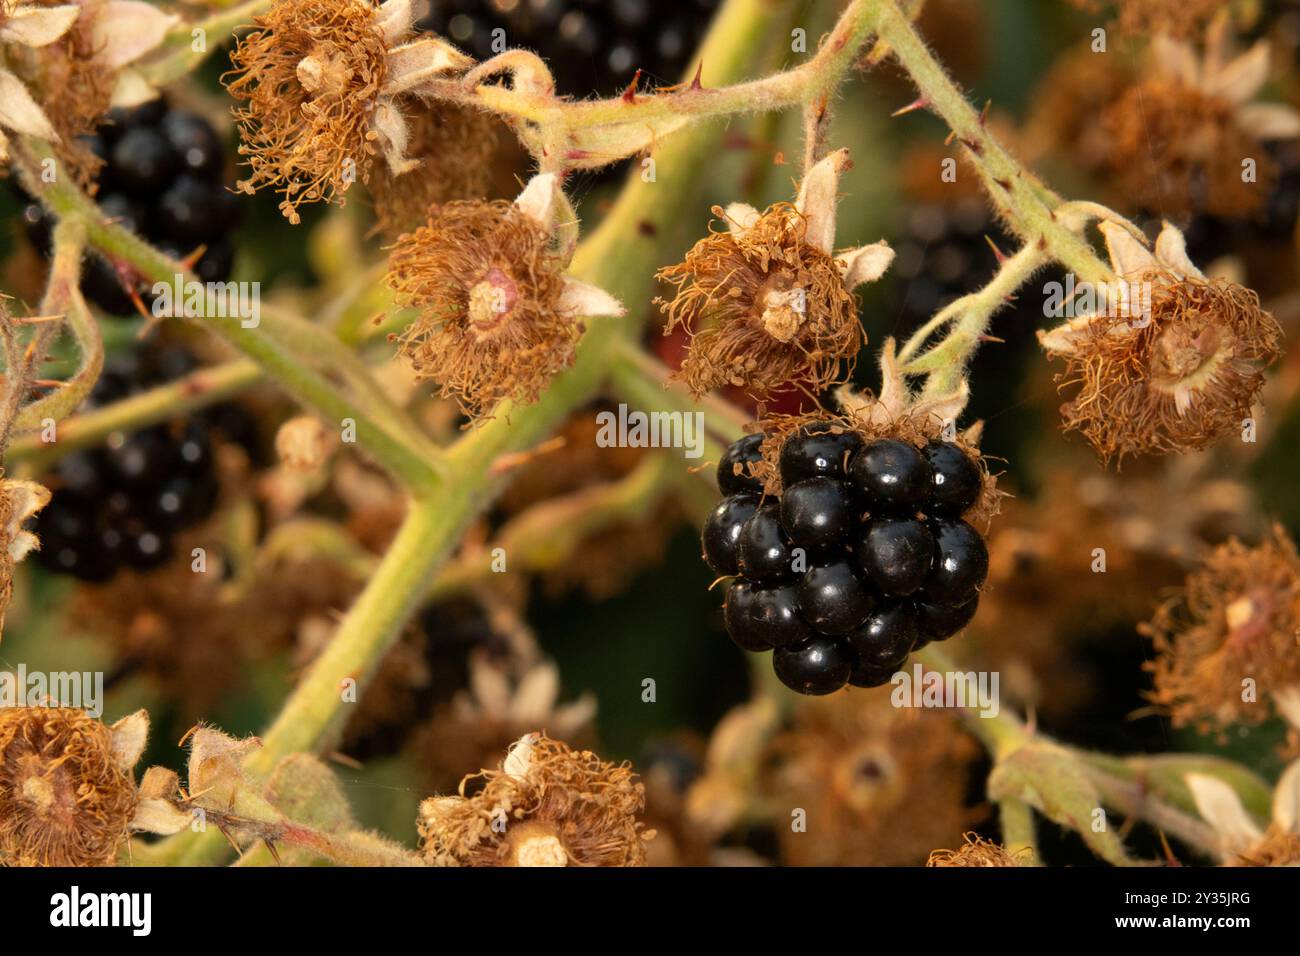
<point x="721" y="536"/>
<point x="120" y="506"/>
<point x="817" y="513"/>
<point x="886" y="637"/>
<point x="833" y="599"/>
<point x="740" y="453"/>
<point x="897" y="554"/>
<point x="764" y="548"/>
<point x="961" y="562"/>
<point x="938" y="622"/>
<point x="819" y="665"/>
<point x="865" y="675"/>
<point x="817" y="454"/>
<point x="760" y="618"/>
<point x="892" y="477"/>
<point x="955" y="479"/>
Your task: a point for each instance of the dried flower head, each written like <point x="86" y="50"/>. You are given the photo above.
<point x="1144" y="18"/>
<point x="1172" y="373"/>
<point x="67" y="796"/>
<point x="498" y="317"/>
<point x="1178" y="137"/>
<point x="548" y="805"/>
<point x="27" y="25"/>
<point x="767" y="302"/>
<point x="456" y="147"/>
<point x="1238" y="617"/>
<point x="976" y="851"/>
<point x="321" y="81"/>
<point x="1241" y="840"/>
<point x="19" y="501"/>
<point x="886" y="785"/>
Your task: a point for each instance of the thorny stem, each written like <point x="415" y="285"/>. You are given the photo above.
<point x="1026" y="202"/>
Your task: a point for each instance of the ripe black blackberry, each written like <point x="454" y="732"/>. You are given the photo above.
<point x="865" y="558"/>
<point x="162" y="178"/>
<point x="120" y="505"/>
<point x="591" y="46"/>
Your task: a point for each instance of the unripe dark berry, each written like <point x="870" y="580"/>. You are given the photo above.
<point x="961" y="562"/>
<point x="764" y="549"/>
<point x="817" y="514"/>
<point x="896" y="554"/>
<point x="832" y="598"/>
<point x="817" y="453"/>
<point x="938" y="622"/>
<point x="819" y="665"/>
<point x="195" y="143"/>
<point x="721" y="536"/>
<point x="892" y="477"/>
<point x="744" y="452"/>
<point x="761" y="618"/>
<point x="886" y="637"/>
<point x="956" y="480"/>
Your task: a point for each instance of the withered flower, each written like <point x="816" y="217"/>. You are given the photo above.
<point x="1172" y="363"/>
<point x="1241" y="840"/>
<point x="321" y="81"/>
<point x="498" y="316"/>
<point x="1237" y="618"/>
<point x="977" y="852"/>
<point x="19" y="501"/>
<point x="548" y="805"/>
<point x="27" y="25"/>
<point x="67" y="795"/>
<point x="1143" y="18"/>
<point x="767" y="302"/>
<point x="1179" y="136"/>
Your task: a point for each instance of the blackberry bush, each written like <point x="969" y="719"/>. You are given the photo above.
<point x="862" y="557"/>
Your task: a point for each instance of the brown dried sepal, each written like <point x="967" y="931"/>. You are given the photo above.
<point x="1238" y="616"/>
<point x="487" y="284"/>
<point x="916" y="430"/>
<point x="1203" y="347"/>
<point x="302" y="126"/>
<point x="976" y="852"/>
<point x="565" y="807"/>
<point x="734" y="300"/>
<point x="1174" y="148"/>
<point x="1279" y="847"/>
<point x="456" y="147"/>
<point x="64" y="798"/>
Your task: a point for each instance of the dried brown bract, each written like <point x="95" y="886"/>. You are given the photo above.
<point x="65" y="797"/>
<point x="1237" y="618"/>
<point x="498" y="317"/>
<point x="19" y="501"/>
<point x="976" y="851"/>
<point x="1175" y="375"/>
<point x="321" y="81"/>
<point x="766" y="302"/>
<point x="548" y="806"/>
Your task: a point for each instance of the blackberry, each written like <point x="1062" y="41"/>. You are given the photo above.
<point x="590" y="46"/>
<point x="120" y="505"/>
<point x="162" y="179"/>
<point x="865" y="558"/>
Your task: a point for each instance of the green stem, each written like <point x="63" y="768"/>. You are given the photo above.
<point x="1027" y="202"/>
<point x="177" y="56"/>
<point x="1018" y="835"/>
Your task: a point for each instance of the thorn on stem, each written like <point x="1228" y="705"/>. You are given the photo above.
<point x="920" y="103"/>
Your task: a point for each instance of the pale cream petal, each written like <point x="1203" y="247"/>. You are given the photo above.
<point x="1171" y="251"/>
<point x="38" y="26"/>
<point x="1286" y="800"/>
<point x="19" y="112"/>
<point x="818" y="195"/>
<point x="490" y="687"/>
<point x="130" y="734"/>
<point x="740" y="216"/>
<point x="395" y="18"/>
<point x="1220" y="807"/>
<point x="125" y="30"/>
<point x="132" y="89"/>
<point x="580" y="298"/>
<point x="1176" y="59"/>
<point x="413" y="63"/>
<point x="519" y="756"/>
<point x="1128" y="256"/>
<point x="536" y="694"/>
<point x="1241" y="79"/>
<point x="1065" y="338"/>
<point x="158" y="816"/>
<point x="866" y="263"/>
<point x="537" y="201"/>
<point x="1269" y="121"/>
